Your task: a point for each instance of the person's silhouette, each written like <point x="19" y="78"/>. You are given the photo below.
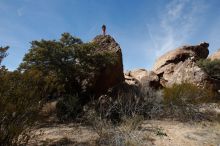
<point x="103" y="29"/>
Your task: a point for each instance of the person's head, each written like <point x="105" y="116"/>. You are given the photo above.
<point x="103" y="29"/>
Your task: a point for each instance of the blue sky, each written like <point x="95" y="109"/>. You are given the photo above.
<point x="145" y="29"/>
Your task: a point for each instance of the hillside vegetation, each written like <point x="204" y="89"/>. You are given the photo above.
<point x="63" y="69"/>
<point x="68" y="81"/>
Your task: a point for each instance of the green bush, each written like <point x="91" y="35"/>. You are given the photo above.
<point x="181" y="94"/>
<point x="212" y="68"/>
<point x="68" y="108"/>
<point x="19" y="106"/>
<point x="67" y="66"/>
<point x="181" y="102"/>
<point x="51" y="69"/>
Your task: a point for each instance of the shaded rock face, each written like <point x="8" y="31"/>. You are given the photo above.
<point x="142" y="77"/>
<point x="111" y="75"/>
<point x="214" y="56"/>
<point x="179" y="66"/>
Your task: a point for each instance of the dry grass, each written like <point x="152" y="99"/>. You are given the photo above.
<point x="146" y="102"/>
<point x="116" y="119"/>
<point x="182" y="102"/>
<point x="49" y="108"/>
<point x="124" y="134"/>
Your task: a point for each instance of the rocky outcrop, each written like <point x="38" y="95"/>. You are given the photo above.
<point x="181" y="54"/>
<point x="138" y="74"/>
<point x="111" y="75"/>
<point x="214" y="56"/>
<point x="134" y="77"/>
<point x="179" y="66"/>
<point x="142" y="77"/>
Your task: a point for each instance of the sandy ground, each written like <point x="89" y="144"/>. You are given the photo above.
<point x="151" y="132"/>
<point x="184" y="134"/>
<point x="62" y="134"/>
<point x="144" y="133"/>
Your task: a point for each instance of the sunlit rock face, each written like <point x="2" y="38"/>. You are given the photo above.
<point x="215" y="55"/>
<point x="142" y="77"/>
<point x="179" y="65"/>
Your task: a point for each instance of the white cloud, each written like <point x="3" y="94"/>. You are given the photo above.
<point x="175" y="9"/>
<point x="177" y="24"/>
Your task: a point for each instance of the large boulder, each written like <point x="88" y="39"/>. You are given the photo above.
<point x="214" y="56"/>
<point x="179" y="65"/>
<point x="134" y="77"/>
<point x="142" y="77"/>
<point x="181" y="54"/>
<point x="111" y="75"/>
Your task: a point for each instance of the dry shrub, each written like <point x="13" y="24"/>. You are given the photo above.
<point x="182" y="102"/>
<point x="146" y="102"/>
<point x="49" y="108"/>
<point x="187" y="93"/>
<point x="124" y="134"/>
<point x="117" y="119"/>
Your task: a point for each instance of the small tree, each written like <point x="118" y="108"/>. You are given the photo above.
<point x="65" y="68"/>
<point x="3" y="53"/>
<point x="212" y="68"/>
<point x="18" y="103"/>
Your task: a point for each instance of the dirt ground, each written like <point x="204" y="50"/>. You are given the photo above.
<point x="164" y="132"/>
<point x="152" y="132"/>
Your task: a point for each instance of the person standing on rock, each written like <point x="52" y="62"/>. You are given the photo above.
<point x="104" y="29"/>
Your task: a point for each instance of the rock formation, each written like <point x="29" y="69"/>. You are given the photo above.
<point x="175" y="67"/>
<point x="179" y="66"/>
<point x="182" y="54"/>
<point x="111" y="75"/>
<point x="214" y="56"/>
<point x="142" y="77"/>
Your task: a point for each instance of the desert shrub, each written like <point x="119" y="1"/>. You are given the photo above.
<point x="19" y="105"/>
<point x="65" y="68"/>
<point x="180" y="94"/>
<point x="68" y="107"/>
<point x="211" y="67"/>
<point x="145" y="102"/>
<point x="123" y="134"/>
<point x="181" y="101"/>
